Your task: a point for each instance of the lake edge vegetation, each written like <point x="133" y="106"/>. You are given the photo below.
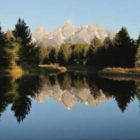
<point x="17" y="50"/>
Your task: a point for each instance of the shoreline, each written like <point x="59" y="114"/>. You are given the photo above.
<point x="118" y="72"/>
<point x="111" y="73"/>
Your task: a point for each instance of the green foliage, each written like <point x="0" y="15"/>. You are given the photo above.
<point x="19" y="93"/>
<point x="52" y="55"/>
<point x="13" y="53"/>
<point x="137" y="61"/>
<point x="64" y="53"/>
<point x="9" y="36"/>
<point x="95" y="45"/>
<point x="61" y="56"/>
<point x="22" y="35"/>
<point x="41" y="53"/>
<point x="78" y="53"/>
<point x="125" y="49"/>
<point x="138" y="41"/>
<point x="4" y="62"/>
<point x="117" y="53"/>
<point x="17" y="48"/>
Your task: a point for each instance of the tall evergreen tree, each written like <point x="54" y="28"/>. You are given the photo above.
<point x="64" y="54"/>
<point x="138" y="40"/>
<point x="22" y="34"/>
<point x="13" y="54"/>
<point x="61" y="57"/>
<point x="4" y="62"/>
<point x="90" y="55"/>
<point x="41" y="53"/>
<point x="124" y="49"/>
<point x="52" y="55"/>
<point x="95" y="44"/>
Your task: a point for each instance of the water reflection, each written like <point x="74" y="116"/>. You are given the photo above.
<point x="18" y="93"/>
<point x="66" y="88"/>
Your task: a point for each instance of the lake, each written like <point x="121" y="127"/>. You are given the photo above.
<point x="69" y="106"/>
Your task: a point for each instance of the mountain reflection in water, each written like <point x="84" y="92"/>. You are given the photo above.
<point x="66" y="88"/>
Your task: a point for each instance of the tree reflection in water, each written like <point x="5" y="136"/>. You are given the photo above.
<point x="74" y="87"/>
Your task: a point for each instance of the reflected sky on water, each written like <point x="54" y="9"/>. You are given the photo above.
<point x="69" y="105"/>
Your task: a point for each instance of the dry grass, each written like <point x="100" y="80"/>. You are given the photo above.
<point x="16" y="72"/>
<point x="121" y="71"/>
<point x="54" y="68"/>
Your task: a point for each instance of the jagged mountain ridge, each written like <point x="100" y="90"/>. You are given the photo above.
<point x="70" y="96"/>
<point x="68" y="33"/>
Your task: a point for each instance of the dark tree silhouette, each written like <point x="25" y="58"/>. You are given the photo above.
<point x="52" y="55"/>
<point x="92" y="59"/>
<point x="22" y="34"/>
<point x="138" y="41"/>
<point x="61" y="57"/>
<point x="4" y="62"/>
<point x="125" y="50"/>
<point x="21" y="107"/>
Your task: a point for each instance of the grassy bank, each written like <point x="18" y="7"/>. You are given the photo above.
<point x="69" y="68"/>
<point x="53" y="68"/>
<point x="120" y="72"/>
<point x="113" y="73"/>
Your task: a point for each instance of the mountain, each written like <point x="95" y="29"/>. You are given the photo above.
<point x="70" y="96"/>
<point x="68" y="33"/>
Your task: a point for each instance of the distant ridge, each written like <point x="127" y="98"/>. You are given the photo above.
<point x="69" y="97"/>
<point x="68" y="33"/>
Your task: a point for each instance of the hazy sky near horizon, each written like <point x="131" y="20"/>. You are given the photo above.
<point x="112" y="14"/>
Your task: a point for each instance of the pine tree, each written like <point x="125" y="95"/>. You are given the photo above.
<point x="90" y="55"/>
<point x="138" y="40"/>
<point x="22" y="34"/>
<point x="9" y="36"/>
<point x="3" y="54"/>
<point x="124" y="49"/>
<point x="13" y="53"/>
<point x="96" y="43"/>
<point x="64" y="54"/>
<point x="52" y="55"/>
<point x="61" y="57"/>
<point x="41" y="53"/>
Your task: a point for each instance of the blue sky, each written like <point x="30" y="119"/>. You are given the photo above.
<point x="112" y="14"/>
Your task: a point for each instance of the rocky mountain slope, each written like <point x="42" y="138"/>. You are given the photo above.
<point x="68" y="33"/>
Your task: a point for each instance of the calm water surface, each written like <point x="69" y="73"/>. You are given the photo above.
<point x="69" y="106"/>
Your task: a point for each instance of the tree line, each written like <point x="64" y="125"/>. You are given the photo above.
<point x="17" y="49"/>
<point x="121" y="51"/>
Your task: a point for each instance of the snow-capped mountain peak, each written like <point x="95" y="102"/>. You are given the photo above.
<point x="68" y="33"/>
<point x="67" y="29"/>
